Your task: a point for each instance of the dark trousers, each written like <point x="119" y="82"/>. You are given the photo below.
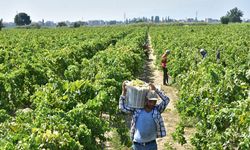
<point x="165" y="75"/>
<point x="149" y="146"/>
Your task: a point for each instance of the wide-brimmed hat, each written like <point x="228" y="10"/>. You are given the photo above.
<point x="152" y="95"/>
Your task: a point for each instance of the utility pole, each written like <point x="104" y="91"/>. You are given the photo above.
<point x="196" y="14"/>
<point x="124" y="17"/>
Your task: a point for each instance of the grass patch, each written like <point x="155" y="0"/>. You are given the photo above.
<point x="167" y="146"/>
<point x="115" y="142"/>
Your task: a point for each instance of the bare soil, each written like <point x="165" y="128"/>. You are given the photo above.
<point x="170" y="116"/>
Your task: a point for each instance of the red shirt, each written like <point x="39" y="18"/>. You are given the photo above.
<point x="164" y="61"/>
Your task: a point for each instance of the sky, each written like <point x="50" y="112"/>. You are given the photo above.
<point x="84" y="10"/>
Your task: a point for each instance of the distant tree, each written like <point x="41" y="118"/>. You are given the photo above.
<point x="1" y="24"/>
<point x="234" y="15"/>
<point x="76" y="24"/>
<point x="22" y="19"/>
<point x="112" y="22"/>
<point x="152" y="18"/>
<point x="61" y="24"/>
<point x="224" y="19"/>
<point x="157" y="19"/>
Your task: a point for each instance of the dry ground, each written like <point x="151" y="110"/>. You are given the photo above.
<point x="170" y="115"/>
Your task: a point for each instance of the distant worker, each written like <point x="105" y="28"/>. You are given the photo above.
<point x="164" y="66"/>
<point x="203" y="53"/>
<point x="218" y="56"/>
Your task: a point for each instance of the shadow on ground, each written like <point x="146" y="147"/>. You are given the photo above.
<point x="148" y="72"/>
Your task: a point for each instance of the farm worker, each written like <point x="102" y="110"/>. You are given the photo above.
<point x="203" y="53"/>
<point x="147" y="123"/>
<point x="218" y="56"/>
<point x="164" y="66"/>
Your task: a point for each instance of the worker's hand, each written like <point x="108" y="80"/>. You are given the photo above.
<point x="152" y="86"/>
<point x="124" y="89"/>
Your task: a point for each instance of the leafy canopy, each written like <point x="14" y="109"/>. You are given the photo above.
<point x="22" y="19"/>
<point x="233" y="15"/>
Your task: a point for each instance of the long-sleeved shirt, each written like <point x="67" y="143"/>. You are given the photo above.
<point x="164" y="61"/>
<point x="157" y="110"/>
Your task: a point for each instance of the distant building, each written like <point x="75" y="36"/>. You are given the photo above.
<point x="210" y="20"/>
<point x="42" y="23"/>
<point x="190" y="20"/>
<point x="246" y="20"/>
<point x="112" y="22"/>
<point x="96" y="22"/>
<point x="181" y="20"/>
<point x="49" y="23"/>
<point x="9" y="24"/>
<point x="83" y="23"/>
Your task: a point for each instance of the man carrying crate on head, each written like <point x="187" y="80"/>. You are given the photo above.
<point x="147" y="123"/>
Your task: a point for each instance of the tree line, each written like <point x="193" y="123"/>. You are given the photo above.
<point x="234" y="15"/>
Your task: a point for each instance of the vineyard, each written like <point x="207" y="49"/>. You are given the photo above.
<point x="214" y="92"/>
<point x="59" y="88"/>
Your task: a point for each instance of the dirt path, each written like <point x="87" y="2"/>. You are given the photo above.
<point x="170" y="115"/>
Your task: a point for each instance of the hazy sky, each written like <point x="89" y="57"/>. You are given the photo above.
<point x="75" y="10"/>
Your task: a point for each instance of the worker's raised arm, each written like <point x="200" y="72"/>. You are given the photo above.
<point x="122" y="104"/>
